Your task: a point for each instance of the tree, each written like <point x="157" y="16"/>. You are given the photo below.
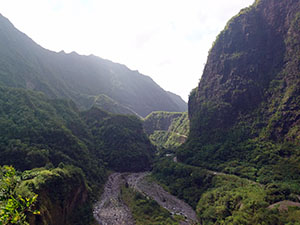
<point x="14" y="207"/>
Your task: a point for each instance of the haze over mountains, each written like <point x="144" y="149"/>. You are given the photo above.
<point x="53" y="130"/>
<point x="234" y="157"/>
<point x="80" y="78"/>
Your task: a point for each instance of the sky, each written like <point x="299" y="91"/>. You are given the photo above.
<point x="167" y="40"/>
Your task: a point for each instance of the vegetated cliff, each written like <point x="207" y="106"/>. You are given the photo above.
<point x="245" y="116"/>
<point x="25" y="64"/>
<point x="167" y="129"/>
<point x="248" y="97"/>
<point x="63" y="195"/>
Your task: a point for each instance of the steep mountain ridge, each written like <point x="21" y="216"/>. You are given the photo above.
<point x="25" y="64"/>
<point x="247" y="63"/>
<point x="250" y="84"/>
<point x="245" y="117"/>
<point x="108" y="104"/>
<point x="179" y="101"/>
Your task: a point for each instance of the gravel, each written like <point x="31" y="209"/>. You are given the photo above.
<point x="111" y="210"/>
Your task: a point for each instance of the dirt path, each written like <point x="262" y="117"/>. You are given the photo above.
<point x="215" y="173"/>
<point x="284" y="205"/>
<point x="110" y="210"/>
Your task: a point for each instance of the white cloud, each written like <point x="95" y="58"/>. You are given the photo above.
<point x="165" y="39"/>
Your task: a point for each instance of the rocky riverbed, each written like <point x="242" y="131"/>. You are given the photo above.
<point x="110" y="210"/>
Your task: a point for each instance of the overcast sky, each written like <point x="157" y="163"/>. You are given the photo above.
<point x="167" y="40"/>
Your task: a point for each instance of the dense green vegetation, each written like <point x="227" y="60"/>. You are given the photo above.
<point x="244" y="118"/>
<point x="83" y="79"/>
<point x="184" y="181"/>
<point x="250" y="116"/>
<point x="119" y="140"/>
<point x="59" y="192"/>
<point x="248" y="124"/>
<point x="64" y="197"/>
<point x="167" y="130"/>
<point x="242" y="154"/>
<point x="38" y="132"/>
<point x="224" y="199"/>
<point x="15" y="205"/>
<point x="146" y="211"/>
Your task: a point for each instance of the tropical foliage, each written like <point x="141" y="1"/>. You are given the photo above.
<point x="38" y="132"/>
<point x="221" y="198"/>
<point x="15" y="206"/>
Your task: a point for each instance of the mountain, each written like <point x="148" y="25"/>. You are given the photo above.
<point x="246" y="106"/>
<point x="25" y="64"/>
<point x="119" y="140"/>
<point x="179" y="101"/>
<point x="64" y="154"/>
<point x="108" y="104"/>
<point x="239" y="164"/>
<point x="167" y="130"/>
<point x="36" y="130"/>
<point x="241" y="158"/>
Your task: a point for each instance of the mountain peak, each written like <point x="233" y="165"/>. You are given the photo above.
<point x="76" y="77"/>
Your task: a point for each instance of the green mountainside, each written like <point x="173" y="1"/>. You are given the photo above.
<point x="108" y="104"/>
<point x="167" y="130"/>
<point x="245" y="123"/>
<point x="245" y="110"/>
<point x="38" y="132"/>
<point x="25" y="64"/>
<point x="237" y="148"/>
<point x="119" y="140"/>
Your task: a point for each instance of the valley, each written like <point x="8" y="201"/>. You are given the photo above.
<point x="86" y="141"/>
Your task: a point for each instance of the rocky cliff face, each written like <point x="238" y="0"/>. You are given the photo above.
<point x="245" y="109"/>
<point x="253" y="66"/>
